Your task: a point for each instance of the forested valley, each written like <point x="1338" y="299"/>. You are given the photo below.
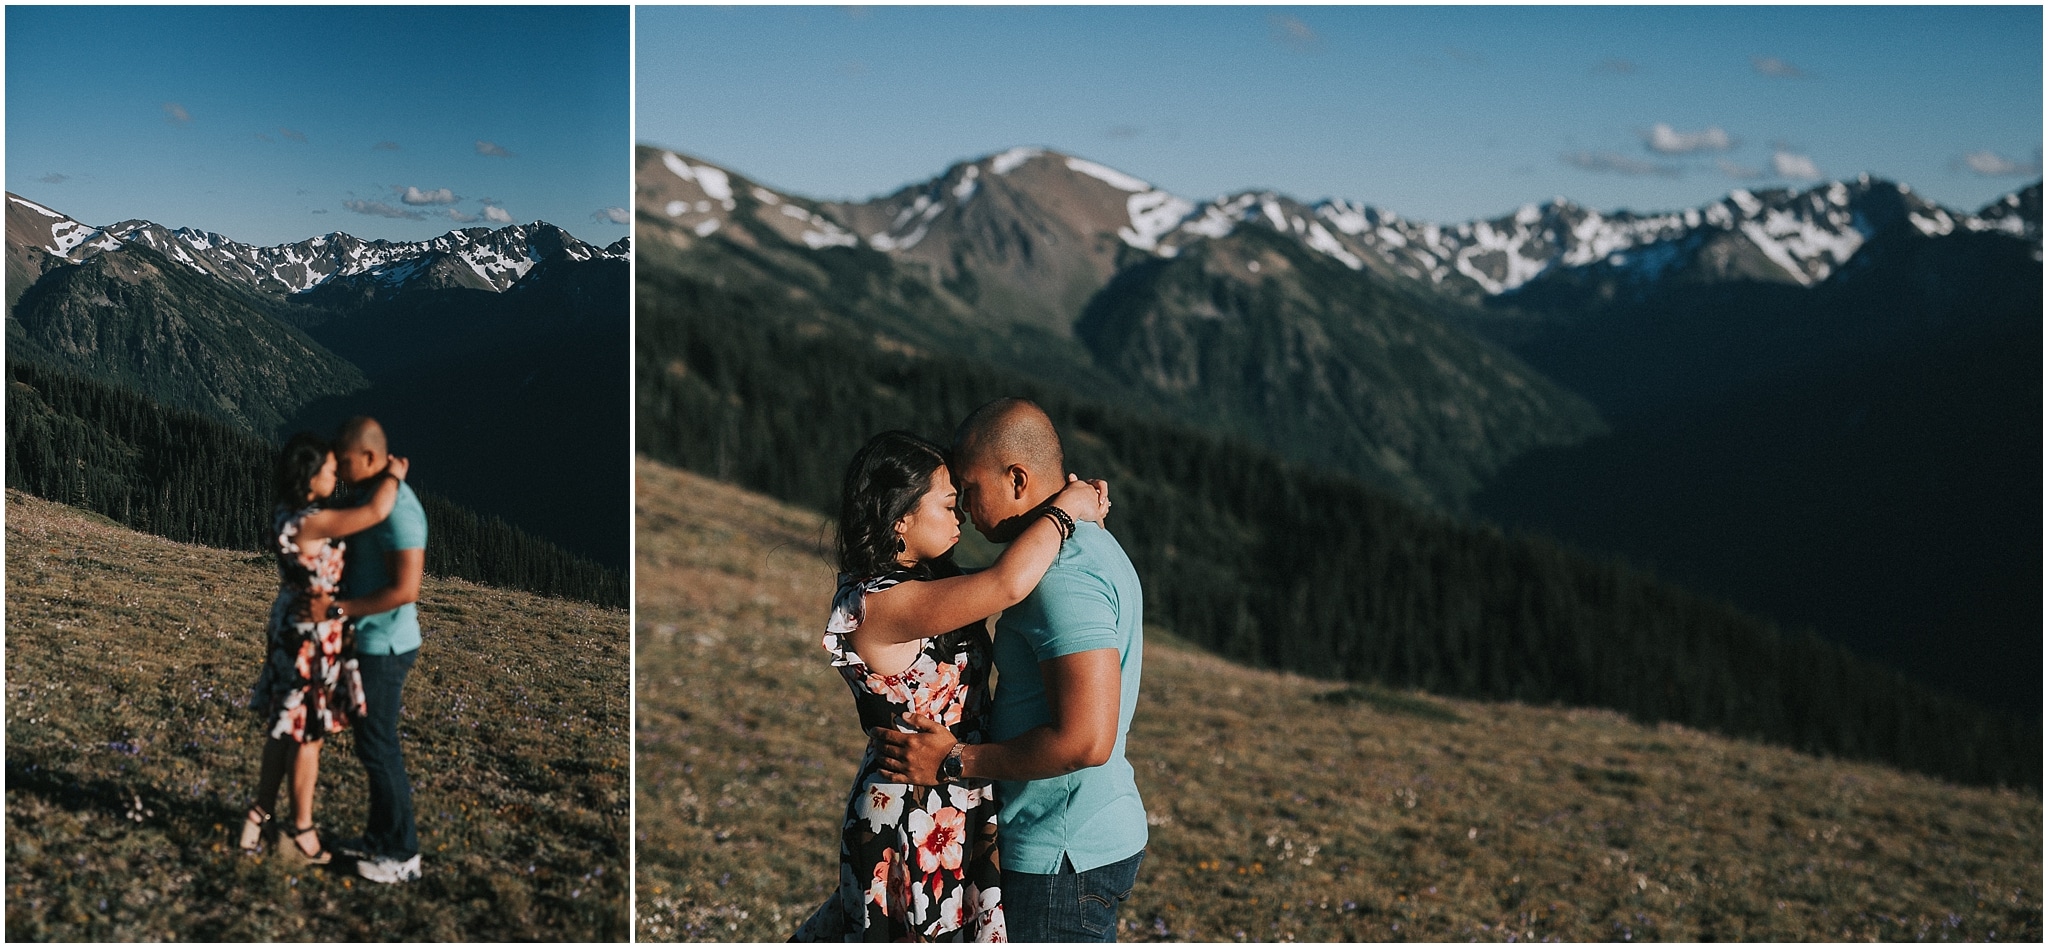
<point x="1280" y="566"/>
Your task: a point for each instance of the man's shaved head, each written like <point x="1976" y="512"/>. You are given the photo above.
<point x="1010" y="431"/>
<point x="359" y="449"/>
<point x="361" y="433"/>
<point x="1007" y="462"/>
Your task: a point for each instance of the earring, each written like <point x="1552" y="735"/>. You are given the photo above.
<point x="899" y="544"/>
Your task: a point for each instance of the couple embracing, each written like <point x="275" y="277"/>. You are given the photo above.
<point x="955" y="773"/>
<point x="345" y="525"/>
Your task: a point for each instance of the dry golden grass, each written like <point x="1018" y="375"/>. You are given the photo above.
<point x="130" y="757"/>
<point x="1286" y="808"/>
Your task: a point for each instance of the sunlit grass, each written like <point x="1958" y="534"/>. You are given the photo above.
<point x="130" y="758"/>
<point x="1290" y="809"/>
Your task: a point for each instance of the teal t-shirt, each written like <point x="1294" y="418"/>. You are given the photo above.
<point x="1089" y="599"/>
<point x="363" y="572"/>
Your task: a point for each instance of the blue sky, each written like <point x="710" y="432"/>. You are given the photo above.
<point x="273" y="124"/>
<point x="1434" y="113"/>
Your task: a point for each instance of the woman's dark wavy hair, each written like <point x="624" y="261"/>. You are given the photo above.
<point x="297" y="465"/>
<point x="883" y="484"/>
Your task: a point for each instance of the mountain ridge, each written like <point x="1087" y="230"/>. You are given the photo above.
<point x="464" y="343"/>
<point x="1802" y="237"/>
<point x="481" y="257"/>
<point x="136" y="318"/>
<point x="1030" y="265"/>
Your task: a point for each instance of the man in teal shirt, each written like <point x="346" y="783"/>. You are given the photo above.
<point x="1068" y="660"/>
<point x="381" y="582"/>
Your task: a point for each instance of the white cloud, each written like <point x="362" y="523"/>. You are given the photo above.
<point x="497" y="215"/>
<point x="381" y="209"/>
<point x="176" y="114"/>
<point x="1619" y="164"/>
<point x="492" y="149"/>
<point x="461" y="218"/>
<point x="1294" y="34"/>
<point x="417" y="197"/>
<point x="1776" y="68"/>
<point x="1796" y="167"/>
<point x="1991" y="164"/>
<point x="615" y="215"/>
<point x="1664" y="139"/>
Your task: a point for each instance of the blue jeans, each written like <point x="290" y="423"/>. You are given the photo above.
<point x="390" y="833"/>
<point x="1069" y="905"/>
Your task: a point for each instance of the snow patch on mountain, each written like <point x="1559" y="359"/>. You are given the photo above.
<point x="1013" y="159"/>
<point x="1107" y="175"/>
<point x="714" y="182"/>
<point x="969" y="181"/>
<point x="1153" y="215"/>
<point x="68" y="234"/>
<point x="1320" y="239"/>
<point x="1933" y="224"/>
<point x="33" y="206"/>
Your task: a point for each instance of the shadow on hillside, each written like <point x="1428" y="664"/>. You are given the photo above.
<point x="136" y="801"/>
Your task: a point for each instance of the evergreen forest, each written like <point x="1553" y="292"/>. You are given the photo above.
<point x="1278" y="565"/>
<point x="188" y="477"/>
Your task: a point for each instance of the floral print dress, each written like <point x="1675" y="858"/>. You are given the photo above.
<point x="310" y="686"/>
<point x="915" y="863"/>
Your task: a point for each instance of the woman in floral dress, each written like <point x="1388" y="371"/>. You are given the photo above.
<point x="909" y="634"/>
<point x="309" y="687"/>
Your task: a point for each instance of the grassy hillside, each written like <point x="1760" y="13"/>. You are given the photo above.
<point x="130" y="758"/>
<point x="1287" y="808"/>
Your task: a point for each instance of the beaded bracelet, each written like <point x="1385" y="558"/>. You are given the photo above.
<point x="1063" y="521"/>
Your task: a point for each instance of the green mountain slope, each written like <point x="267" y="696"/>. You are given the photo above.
<point x="1250" y="336"/>
<point x="1274" y="345"/>
<point x="131" y="317"/>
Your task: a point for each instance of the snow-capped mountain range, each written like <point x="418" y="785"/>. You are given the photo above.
<point x="477" y="257"/>
<point x="1800" y="237"/>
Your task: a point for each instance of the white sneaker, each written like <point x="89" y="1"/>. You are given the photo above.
<point x="389" y="871"/>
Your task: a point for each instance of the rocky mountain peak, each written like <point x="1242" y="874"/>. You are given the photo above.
<point x="1033" y="212"/>
<point x="494" y="259"/>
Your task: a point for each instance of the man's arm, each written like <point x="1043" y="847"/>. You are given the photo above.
<point x="1084" y="691"/>
<point x="405" y="568"/>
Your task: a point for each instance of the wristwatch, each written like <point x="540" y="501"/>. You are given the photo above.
<point x="950" y="767"/>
